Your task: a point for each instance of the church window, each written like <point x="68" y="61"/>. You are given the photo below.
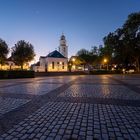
<point x="63" y="66"/>
<point x="52" y="65"/>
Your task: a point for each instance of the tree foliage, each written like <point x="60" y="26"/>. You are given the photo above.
<point x="132" y="37"/>
<point x="3" y="51"/>
<point x="88" y="56"/>
<point x="123" y="45"/>
<point x="22" y="52"/>
<point x="77" y="61"/>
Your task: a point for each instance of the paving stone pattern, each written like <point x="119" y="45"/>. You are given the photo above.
<point x="74" y="119"/>
<point x="133" y="82"/>
<point x="8" y="104"/>
<point x="79" y="121"/>
<point x="96" y="81"/>
<point x="101" y="91"/>
<point x="30" y="88"/>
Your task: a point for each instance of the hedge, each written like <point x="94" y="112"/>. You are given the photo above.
<point x="106" y="72"/>
<point x="16" y="74"/>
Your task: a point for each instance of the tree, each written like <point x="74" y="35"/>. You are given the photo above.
<point x="132" y="37"/>
<point x="85" y="55"/>
<point x="22" y="53"/>
<point x="111" y="44"/>
<point x="88" y="57"/>
<point x="83" y="51"/>
<point x="123" y="45"/>
<point x="75" y="60"/>
<point x="3" y="51"/>
<point x="94" y="50"/>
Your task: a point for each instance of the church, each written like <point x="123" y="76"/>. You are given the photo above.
<point x="56" y="61"/>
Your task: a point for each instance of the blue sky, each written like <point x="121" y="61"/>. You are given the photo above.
<point x="41" y="22"/>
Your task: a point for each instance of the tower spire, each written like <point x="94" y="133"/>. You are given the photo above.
<point x="63" y="48"/>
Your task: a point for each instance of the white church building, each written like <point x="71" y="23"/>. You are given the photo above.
<point x="56" y="61"/>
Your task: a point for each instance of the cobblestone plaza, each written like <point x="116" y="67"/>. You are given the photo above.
<point x="88" y="107"/>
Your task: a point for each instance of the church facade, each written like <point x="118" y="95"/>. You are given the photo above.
<point x="56" y="61"/>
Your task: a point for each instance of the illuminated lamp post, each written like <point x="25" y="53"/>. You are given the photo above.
<point x="73" y="60"/>
<point x="106" y="62"/>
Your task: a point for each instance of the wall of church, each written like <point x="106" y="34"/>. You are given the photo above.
<point x="42" y="61"/>
<point x="38" y="68"/>
<point x="57" y="64"/>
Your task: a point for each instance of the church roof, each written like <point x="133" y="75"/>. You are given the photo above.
<point x="10" y="59"/>
<point x="37" y="64"/>
<point x="42" y="56"/>
<point x="55" y="54"/>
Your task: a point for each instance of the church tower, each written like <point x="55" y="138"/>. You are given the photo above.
<point x="63" y="48"/>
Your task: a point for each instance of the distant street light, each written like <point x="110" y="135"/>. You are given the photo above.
<point x="73" y="59"/>
<point x="73" y="66"/>
<point x="105" y="61"/>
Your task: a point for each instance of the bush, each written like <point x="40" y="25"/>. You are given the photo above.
<point x="16" y="74"/>
<point x="106" y="72"/>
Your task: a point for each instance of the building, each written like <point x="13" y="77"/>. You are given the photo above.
<point x="63" y="48"/>
<point x="56" y="61"/>
<point x="11" y="65"/>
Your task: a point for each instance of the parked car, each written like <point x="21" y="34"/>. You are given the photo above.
<point x="130" y="69"/>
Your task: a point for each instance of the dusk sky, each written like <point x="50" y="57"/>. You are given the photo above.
<point x="41" y="22"/>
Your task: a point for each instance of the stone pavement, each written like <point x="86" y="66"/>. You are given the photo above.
<point x="100" y="107"/>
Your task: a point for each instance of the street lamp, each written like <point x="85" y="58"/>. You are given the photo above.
<point x="73" y="59"/>
<point x="105" y="61"/>
<point x="73" y="66"/>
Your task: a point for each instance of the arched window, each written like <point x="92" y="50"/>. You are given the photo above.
<point x="63" y="65"/>
<point x="52" y="65"/>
